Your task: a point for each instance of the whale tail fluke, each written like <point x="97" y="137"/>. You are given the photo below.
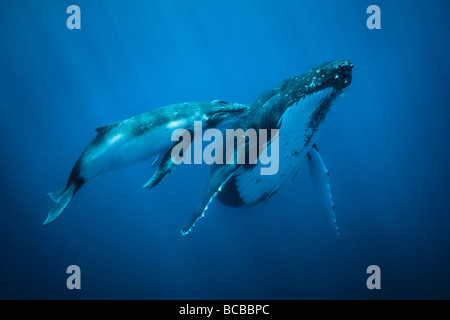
<point x="61" y="198"/>
<point x="57" y="194"/>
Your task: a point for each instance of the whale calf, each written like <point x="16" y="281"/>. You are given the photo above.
<point x="296" y="107"/>
<point x="121" y="144"/>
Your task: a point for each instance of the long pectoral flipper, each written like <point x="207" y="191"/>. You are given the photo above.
<point x="321" y="182"/>
<point x="218" y="179"/>
<point x="166" y="166"/>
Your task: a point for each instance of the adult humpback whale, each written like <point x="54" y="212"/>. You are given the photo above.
<point x="296" y="107"/>
<point x="127" y="142"/>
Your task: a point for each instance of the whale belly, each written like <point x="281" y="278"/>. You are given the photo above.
<point x="254" y="187"/>
<point x="121" y="149"/>
<point x="296" y="136"/>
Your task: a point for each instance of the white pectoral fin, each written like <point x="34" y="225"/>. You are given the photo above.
<point x="321" y="182"/>
<point x="218" y="179"/>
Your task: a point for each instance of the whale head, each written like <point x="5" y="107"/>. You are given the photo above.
<point x="308" y="97"/>
<point x="309" y="94"/>
<point x="336" y="74"/>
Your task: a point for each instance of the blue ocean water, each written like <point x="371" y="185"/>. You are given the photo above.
<point x="386" y="145"/>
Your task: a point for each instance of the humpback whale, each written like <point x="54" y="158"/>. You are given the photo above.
<point x="296" y="107"/>
<point x="121" y="144"/>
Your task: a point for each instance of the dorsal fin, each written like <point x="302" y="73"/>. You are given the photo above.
<point x="107" y="127"/>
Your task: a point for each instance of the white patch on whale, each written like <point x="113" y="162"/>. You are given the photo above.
<point x="293" y="134"/>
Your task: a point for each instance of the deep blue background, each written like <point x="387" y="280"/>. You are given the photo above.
<point x="386" y="145"/>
